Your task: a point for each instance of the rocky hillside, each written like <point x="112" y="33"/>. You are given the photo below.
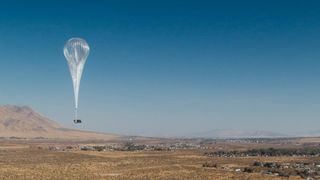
<point x="24" y="122"/>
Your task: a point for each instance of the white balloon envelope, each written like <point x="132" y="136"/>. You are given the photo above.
<point x="76" y="51"/>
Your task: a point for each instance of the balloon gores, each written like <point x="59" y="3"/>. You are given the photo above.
<point x="76" y="51"/>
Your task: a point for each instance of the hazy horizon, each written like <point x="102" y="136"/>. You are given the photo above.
<point x="167" y="67"/>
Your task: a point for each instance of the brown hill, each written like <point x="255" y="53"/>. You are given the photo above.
<point x="24" y="122"/>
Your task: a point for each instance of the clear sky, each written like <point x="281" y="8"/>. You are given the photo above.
<point x="167" y="67"/>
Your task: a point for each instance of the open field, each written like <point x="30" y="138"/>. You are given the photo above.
<point x="32" y="160"/>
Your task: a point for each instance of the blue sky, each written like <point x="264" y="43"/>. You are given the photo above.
<point x="163" y="67"/>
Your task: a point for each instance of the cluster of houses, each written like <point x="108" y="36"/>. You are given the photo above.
<point x="303" y="169"/>
<point x="306" y="170"/>
<point x="129" y="146"/>
<point x="139" y="147"/>
<point x="305" y="152"/>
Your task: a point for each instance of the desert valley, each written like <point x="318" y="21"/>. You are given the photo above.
<point x="35" y="147"/>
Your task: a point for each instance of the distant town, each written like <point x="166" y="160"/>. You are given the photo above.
<point x="216" y="148"/>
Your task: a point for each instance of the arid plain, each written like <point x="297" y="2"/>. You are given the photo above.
<point x="48" y="159"/>
<point x="35" y="147"/>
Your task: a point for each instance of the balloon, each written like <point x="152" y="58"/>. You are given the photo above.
<point x="76" y="51"/>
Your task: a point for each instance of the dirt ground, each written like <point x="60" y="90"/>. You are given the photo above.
<point x="19" y="161"/>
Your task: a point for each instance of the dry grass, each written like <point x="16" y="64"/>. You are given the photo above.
<point x="25" y="163"/>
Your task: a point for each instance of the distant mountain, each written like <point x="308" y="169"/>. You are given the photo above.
<point x="308" y="134"/>
<point x="24" y="122"/>
<point x="230" y="133"/>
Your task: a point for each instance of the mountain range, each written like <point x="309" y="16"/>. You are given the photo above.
<point x="231" y="133"/>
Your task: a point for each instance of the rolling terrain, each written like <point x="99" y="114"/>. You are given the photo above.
<point x="24" y="122"/>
